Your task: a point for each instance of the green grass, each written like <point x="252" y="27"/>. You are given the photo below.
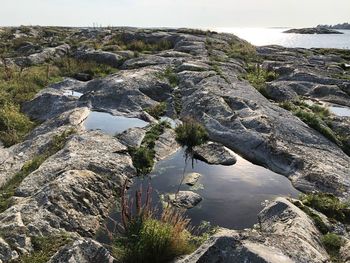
<point x="177" y="99"/>
<point x="191" y="133"/>
<point x="157" y="110"/>
<point x="143" y="157"/>
<point x="332" y="243"/>
<point x="20" y="85"/>
<point x="329" y="205"/>
<point x="44" y="248"/>
<point x="314" y="116"/>
<point x="258" y="77"/>
<point x="9" y="189"/>
<point x="170" y="76"/>
<point x="243" y="50"/>
<point x="321" y="226"/>
<point x="149" y="235"/>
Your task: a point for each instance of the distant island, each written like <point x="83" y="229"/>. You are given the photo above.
<point x="343" y="26"/>
<point x="313" y="30"/>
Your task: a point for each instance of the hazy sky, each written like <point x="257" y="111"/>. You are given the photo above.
<point x="175" y="13"/>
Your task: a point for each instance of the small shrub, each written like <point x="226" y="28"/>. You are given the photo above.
<point x="157" y="110"/>
<point x="191" y="133"/>
<point x="329" y="205"/>
<point x="258" y="77"/>
<point x="150" y="236"/>
<point x="332" y="242"/>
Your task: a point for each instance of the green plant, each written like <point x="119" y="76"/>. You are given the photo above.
<point x="191" y="133"/>
<point x="44" y="248"/>
<point x="143" y="157"/>
<point x="240" y="49"/>
<point x="157" y="110"/>
<point x="329" y="205"/>
<point x="258" y="77"/>
<point x="332" y="242"/>
<point x="169" y="75"/>
<point x="150" y="236"/>
<point x="321" y="226"/>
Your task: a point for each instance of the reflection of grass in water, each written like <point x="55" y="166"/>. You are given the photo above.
<point x="197" y="187"/>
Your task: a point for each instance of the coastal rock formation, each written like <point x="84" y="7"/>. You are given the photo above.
<point x="71" y="191"/>
<point x="313" y="30"/>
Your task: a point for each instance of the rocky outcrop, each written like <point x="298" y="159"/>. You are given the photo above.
<point x="83" y="250"/>
<point x="100" y="57"/>
<point x="313" y="30"/>
<point x="285" y="234"/>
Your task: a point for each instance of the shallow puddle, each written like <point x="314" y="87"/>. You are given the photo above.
<point x="340" y="111"/>
<point x="232" y="195"/>
<point x="110" y="124"/>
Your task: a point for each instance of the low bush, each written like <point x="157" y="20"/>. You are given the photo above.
<point x="169" y="75"/>
<point x="191" y="133"/>
<point x="329" y="205"/>
<point x="243" y="50"/>
<point x="149" y="235"/>
<point x="332" y="243"/>
<point x="258" y="77"/>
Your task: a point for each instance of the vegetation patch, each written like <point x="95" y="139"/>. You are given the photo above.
<point x="8" y="190"/>
<point x="317" y="117"/>
<point x="158" y="110"/>
<point x="191" y="133"/>
<point x="149" y="235"/>
<point x="44" y="248"/>
<point x="169" y="75"/>
<point x="329" y="205"/>
<point x="143" y="157"/>
<point x="332" y="243"/>
<point x="258" y="77"/>
<point x="321" y="226"/>
<point x="240" y="49"/>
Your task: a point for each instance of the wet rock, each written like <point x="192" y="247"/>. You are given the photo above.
<point x="285" y="234"/>
<point x="132" y="137"/>
<point x="83" y="250"/>
<point x="214" y="153"/>
<point x="166" y="144"/>
<point x="185" y="199"/>
<point x="191" y="178"/>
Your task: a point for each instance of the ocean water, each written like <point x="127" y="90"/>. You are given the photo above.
<point x="275" y="36"/>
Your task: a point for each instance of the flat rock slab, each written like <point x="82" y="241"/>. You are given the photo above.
<point x="185" y="199"/>
<point x="214" y="153"/>
<point x="191" y="178"/>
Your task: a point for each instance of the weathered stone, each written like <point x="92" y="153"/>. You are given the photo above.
<point x="83" y="250"/>
<point x="185" y="199"/>
<point x="191" y="178"/>
<point x="214" y="153"/>
<point x="132" y="137"/>
<point x="100" y="57"/>
<point x="166" y="144"/>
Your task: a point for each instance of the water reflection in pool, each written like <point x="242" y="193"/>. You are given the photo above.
<point x="340" y="111"/>
<point x="111" y="124"/>
<point x="232" y="195"/>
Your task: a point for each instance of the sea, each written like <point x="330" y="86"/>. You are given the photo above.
<point x="275" y="36"/>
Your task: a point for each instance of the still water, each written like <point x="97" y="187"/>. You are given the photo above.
<point x="275" y="36"/>
<point x="232" y="195"/>
<point x="110" y="124"/>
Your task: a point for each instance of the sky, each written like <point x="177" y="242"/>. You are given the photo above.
<point x="175" y="13"/>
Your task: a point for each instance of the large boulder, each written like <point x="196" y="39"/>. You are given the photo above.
<point x="214" y="153"/>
